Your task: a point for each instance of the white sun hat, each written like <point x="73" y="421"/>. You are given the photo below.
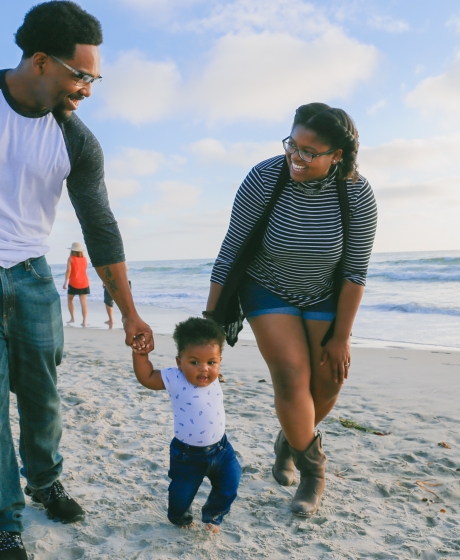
<point x="77" y="247"/>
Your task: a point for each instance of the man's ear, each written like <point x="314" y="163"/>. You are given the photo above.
<point x="178" y="363"/>
<point x="39" y="62"/>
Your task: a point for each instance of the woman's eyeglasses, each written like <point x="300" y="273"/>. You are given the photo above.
<point x="304" y="155"/>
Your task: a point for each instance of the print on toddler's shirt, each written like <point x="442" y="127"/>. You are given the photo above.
<point x="188" y="404"/>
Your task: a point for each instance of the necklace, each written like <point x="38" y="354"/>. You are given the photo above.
<point x="316" y="187"/>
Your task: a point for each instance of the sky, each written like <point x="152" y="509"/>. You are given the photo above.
<point x="197" y="92"/>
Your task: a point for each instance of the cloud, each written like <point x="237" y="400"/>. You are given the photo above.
<point x="210" y="151"/>
<point x="266" y="76"/>
<point x="219" y="18"/>
<point x="438" y="94"/>
<point x="134" y="161"/>
<point x="440" y="189"/>
<point x="202" y="224"/>
<point x="295" y="17"/>
<point x="173" y="196"/>
<point x="376" y="107"/>
<point x="389" y="24"/>
<point x="454" y="22"/>
<point x="124" y="170"/>
<point x="122" y="188"/>
<point x="417" y="188"/>
<point x="164" y="14"/>
<point x="157" y="4"/>
<point x="129" y="223"/>
<point x="266" y="58"/>
<point x="436" y="156"/>
<point x="139" y="90"/>
<point x="418" y="175"/>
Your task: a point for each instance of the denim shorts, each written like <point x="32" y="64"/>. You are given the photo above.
<point x="257" y="300"/>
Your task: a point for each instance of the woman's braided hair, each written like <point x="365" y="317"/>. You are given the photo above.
<point x="336" y="129"/>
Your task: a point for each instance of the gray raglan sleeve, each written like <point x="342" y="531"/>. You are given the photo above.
<point x="88" y="194"/>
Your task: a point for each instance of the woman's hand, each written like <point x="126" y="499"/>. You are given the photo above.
<point x="337" y="351"/>
<point x="65" y="286"/>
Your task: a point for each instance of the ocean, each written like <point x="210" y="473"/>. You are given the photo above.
<point x="411" y="297"/>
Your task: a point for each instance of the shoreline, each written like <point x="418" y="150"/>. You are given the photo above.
<point x="161" y="320"/>
<point x="387" y="497"/>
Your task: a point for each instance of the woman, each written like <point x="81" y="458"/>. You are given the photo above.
<point x="303" y="281"/>
<point x="78" y="281"/>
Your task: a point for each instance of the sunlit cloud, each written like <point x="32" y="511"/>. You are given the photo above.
<point x="125" y="171"/>
<point x="420" y="158"/>
<point x="139" y="90"/>
<point x="295" y="17"/>
<point x="265" y="76"/>
<point x="439" y="94"/>
<point x="210" y="151"/>
<point x="172" y="196"/>
<point x="256" y="76"/>
<point x="122" y="188"/>
<point x="134" y="161"/>
<point x="373" y="109"/>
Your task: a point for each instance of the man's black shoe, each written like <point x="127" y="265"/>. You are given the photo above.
<point x="59" y="505"/>
<point x="11" y="547"/>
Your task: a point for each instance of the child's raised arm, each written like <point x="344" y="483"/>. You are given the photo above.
<point x="146" y="375"/>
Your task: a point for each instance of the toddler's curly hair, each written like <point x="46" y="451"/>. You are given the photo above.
<point x="196" y="332"/>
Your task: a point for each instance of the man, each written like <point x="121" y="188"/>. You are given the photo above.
<point x="43" y="143"/>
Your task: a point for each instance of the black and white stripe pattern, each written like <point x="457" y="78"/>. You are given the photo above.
<point x="303" y="241"/>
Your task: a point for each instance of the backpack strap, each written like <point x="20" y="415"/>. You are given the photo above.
<point x="344" y="205"/>
<point x="228" y="312"/>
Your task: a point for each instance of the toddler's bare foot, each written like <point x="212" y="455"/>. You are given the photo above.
<point x="192" y="524"/>
<point x="212" y="528"/>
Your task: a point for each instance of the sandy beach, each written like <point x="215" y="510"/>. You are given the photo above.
<point x="392" y="496"/>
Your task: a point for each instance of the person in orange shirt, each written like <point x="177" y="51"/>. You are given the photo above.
<point x="77" y="280"/>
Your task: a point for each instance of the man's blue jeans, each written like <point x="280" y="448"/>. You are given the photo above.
<point x="31" y="343"/>
<point x="188" y="467"/>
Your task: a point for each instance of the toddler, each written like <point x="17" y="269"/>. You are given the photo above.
<point x="200" y="447"/>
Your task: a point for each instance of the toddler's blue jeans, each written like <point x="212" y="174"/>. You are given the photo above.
<point x="188" y="467"/>
<point x="31" y="343"/>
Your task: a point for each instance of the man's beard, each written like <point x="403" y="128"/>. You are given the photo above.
<point x="61" y="113"/>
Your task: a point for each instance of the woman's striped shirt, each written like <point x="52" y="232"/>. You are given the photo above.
<point x="303" y="241"/>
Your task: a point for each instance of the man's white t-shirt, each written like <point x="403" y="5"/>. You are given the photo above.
<point x="38" y="152"/>
<point x="199" y="415"/>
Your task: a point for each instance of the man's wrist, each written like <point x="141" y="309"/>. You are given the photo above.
<point x="130" y="315"/>
<point x="208" y="314"/>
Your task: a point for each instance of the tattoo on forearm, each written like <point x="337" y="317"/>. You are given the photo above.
<point x="110" y="281"/>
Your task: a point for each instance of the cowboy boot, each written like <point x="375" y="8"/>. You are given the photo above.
<point x="311" y="464"/>
<point x="283" y="470"/>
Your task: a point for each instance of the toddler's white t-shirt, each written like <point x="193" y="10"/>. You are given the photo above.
<point x="199" y="415"/>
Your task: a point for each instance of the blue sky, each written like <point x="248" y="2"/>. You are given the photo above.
<point x="196" y="92"/>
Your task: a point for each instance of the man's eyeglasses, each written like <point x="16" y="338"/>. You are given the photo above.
<point x="306" y="156"/>
<point x="82" y="78"/>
